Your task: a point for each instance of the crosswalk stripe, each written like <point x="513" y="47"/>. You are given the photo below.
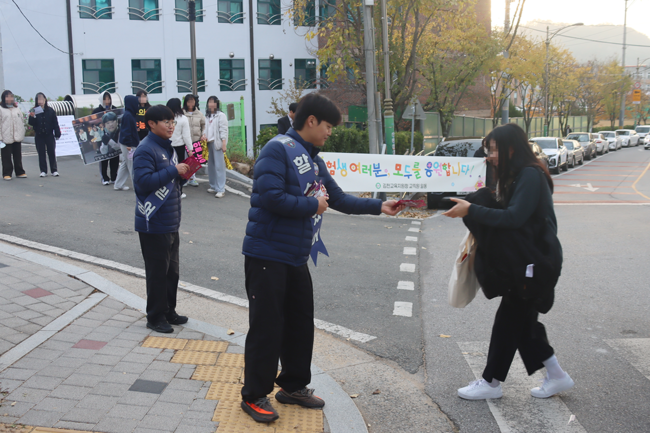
<point x="410" y="251"/>
<point x="414" y="229"/>
<point x="416" y="223"/>
<point x="551" y="415"/>
<point x="406" y="285"/>
<point x="403" y="309"/>
<point x="635" y="351"/>
<point x="407" y="267"/>
<point x="411" y="239"/>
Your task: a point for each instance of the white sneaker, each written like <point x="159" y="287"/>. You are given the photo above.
<point x="105" y="182"/>
<point x="212" y="191"/>
<point x="111" y="182"/>
<point x="55" y="174"/>
<point x="183" y="195"/>
<point x="220" y="194"/>
<point x="124" y="188"/>
<point x="43" y="174"/>
<point x="552" y="386"/>
<point x="480" y="390"/>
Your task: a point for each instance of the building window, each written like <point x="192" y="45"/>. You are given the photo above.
<point x="95" y="9"/>
<point x="144" y="10"/>
<point x="327" y="9"/>
<point x="322" y="81"/>
<point x="231" y="75"/>
<point x="270" y="74"/>
<point x="98" y="76"/>
<point x="230" y="11"/>
<point x="182" y="13"/>
<point x="146" y="75"/>
<point x="306" y="73"/>
<point x="268" y="12"/>
<point x="184" y="70"/>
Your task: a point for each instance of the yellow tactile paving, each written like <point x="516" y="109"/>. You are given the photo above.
<point x="293" y="419"/>
<point x="230" y="413"/>
<point x="231" y="360"/>
<point x="211" y="373"/>
<point x="165" y="343"/>
<point x="206" y="346"/>
<point x="297" y="419"/>
<point x="197" y="358"/>
<point x="224" y="391"/>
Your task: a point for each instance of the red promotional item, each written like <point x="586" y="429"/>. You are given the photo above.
<point x="194" y="164"/>
<point x="411" y="203"/>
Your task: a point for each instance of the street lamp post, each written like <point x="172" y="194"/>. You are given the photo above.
<point x="191" y="9"/>
<point x="547" y="119"/>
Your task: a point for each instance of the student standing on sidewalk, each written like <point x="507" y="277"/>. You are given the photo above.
<point x="105" y="104"/>
<point x="216" y="131"/>
<point x="524" y="189"/>
<point x="278" y="243"/>
<point x="12" y="133"/>
<point x="129" y="140"/>
<point x="158" y="216"/>
<point x="46" y="132"/>
<point x="143" y="106"/>
<point x="181" y="140"/>
<point x="197" y="124"/>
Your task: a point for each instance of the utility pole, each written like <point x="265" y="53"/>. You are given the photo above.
<point x="191" y="9"/>
<point x="505" y="109"/>
<point x="621" y="118"/>
<point x="70" y="49"/>
<point x="371" y="87"/>
<point x="389" y="118"/>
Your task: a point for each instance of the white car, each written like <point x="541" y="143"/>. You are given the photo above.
<point x="629" y="136"/>
<point x="558" y="155"/>
<point x="643" y="131"/>
<point x="601" y="143"/>
<point x="646" y="140"/>
<point x="615" y="141"/>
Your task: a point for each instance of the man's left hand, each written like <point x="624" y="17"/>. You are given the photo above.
<point x="460" y="210"/>
<point x="389" y="207"/>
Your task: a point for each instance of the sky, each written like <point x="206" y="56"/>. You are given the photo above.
<point x="589" y="12"/>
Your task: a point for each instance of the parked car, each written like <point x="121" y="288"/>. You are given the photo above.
<point x="586" y="141"/>
<point x="643" y="132"/>
<point x="629" y="137"/>
<point x="453" y="146"/>
<point x="539" y="153"/>
<point x="600" y="142"/>
<point x="614" y="141"/>
<point x="576" y="152"/>
<point x="558" y="155"/>
<point x="646" y="141"/>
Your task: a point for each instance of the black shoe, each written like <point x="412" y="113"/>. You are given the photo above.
<point x="177" y="320"/>
<point x="260" y="410"/>
<point x="161" y="326"/>
<point x="304" y="397"/>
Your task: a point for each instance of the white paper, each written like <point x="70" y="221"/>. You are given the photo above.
<point x="529" y="271"/>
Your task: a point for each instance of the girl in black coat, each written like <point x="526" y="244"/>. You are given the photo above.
<point x="46" y="132"/>
<point x="524" y="189"/>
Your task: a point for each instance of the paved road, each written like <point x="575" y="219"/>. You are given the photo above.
<point x="356" y="287"/>
<point x="598" y="325"/>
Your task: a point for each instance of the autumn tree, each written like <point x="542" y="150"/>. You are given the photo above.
<point x="589" y="91"/>
<point x="562" y="85"/>
<point x="529" y="76"/>
<point x="614" y="83"/>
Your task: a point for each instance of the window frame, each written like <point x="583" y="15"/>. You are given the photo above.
<point x="97" y="87"/>
<point x="270" y="18"/>
<point x="200" y="12"/>
<point x="201" y="82"/>
<point x="311" y="82"/>
<point x="89" y="10"/>
<point x="142" y="14"/>
<point x="147" y="87"/>
<point x="270" y="83"/>
<point x="229" y="84"/>
<point x="228" y="17"/>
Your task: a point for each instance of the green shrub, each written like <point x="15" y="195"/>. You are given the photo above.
<point x="403" y="142"/>
<point x="347" y="140"/>
<point x="263" y="137"/>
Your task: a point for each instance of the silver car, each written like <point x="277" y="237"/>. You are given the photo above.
<point x="646" y="141"/>
<point x="601" y="143"/>
<point x="615" y="141"/>
<point x="576" y="152"/>
<point x="558" y="155"/>
<point x="643" y="131"/>
<point x="629" y="136"/>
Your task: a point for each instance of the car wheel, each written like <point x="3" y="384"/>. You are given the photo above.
<point x="573" y="162"/>
<point x="582" y="160"/>
<point x="565" y="167"/>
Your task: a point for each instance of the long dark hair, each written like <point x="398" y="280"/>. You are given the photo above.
<point x="508" y="137"/>
<point x="45" y="107"/>
<point x="6" y="93"/>
<point x="193" y="97"/>
<point x="174" y="104"/>
<point x="143" y="93"/>
<point x="207" y="109"/>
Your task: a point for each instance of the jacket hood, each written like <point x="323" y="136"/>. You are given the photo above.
<point x="131" y="104"/>
<point x="101" y="98"/>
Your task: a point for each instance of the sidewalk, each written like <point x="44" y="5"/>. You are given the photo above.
<point x="74" y="357"/>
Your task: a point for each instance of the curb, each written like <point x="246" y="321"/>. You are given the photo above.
<point x="341" y="413"/>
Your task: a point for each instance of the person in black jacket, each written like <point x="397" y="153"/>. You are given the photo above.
<point x="46" y="132"/>
<point x="143" y="106"/>
<point x="524" y="193"/>
<point x="114" y="163"/>
<point x="286" y="122"/>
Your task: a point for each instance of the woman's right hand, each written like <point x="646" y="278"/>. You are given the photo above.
<point x="31" y="114"/>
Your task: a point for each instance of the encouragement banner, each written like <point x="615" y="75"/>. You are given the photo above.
<point x="360" y="172"/>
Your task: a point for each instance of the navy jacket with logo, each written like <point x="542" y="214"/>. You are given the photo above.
<point x="279" y="221"/>
<point x="128" y="129"/>
<point x="151" y="171"/>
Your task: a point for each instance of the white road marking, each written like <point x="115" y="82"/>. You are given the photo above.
<point x="410" y="251"/>
<point x="407" y="267"/>
<point x="403" y="309"/>
<point x="516" y="408"/>
<point x="342" y="331"/>
<point x="417" y="223"/>
<point x="406" y="285"/>
<point x="236" y="192"/>
<point x="636" y="351"/>
<point x="411" y="239"/>
<point x="414" y="229"/>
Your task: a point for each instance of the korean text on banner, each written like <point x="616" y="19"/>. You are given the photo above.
<point x="67" y="144"/>
<point x="359" y="172"/>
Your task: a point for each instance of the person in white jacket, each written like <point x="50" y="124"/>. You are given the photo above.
<point x="12" y="133"/>
<point x="181" y="138"/>
<point x="216" y="131"/>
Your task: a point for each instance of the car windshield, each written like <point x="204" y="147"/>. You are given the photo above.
<point x="461" y="148"/>
<point x="583" y="138"/>
<point x="568" y="144"/>
<point x="622" y="132"/>
<point x="643" y="129"/>
<point x="546" y="143"/>
<point x="609" y="134"/>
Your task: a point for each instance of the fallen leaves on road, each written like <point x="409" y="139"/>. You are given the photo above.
<point x="354" y="395"/>
<point x="214" y="278"/>
<point x="191" y="242"/>
<point x="375" y="392"/>
<point x="445" y="336"/>
<point x="230" y="331"/>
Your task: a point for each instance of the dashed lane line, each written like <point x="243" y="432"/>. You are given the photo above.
<point x="407" y="267"/>
<point x="406" y="285"/>
<point x="411" y="239"/>
<point x="410" y="251"/>
<point x="404" y="309"/>
<point x="414" y="229"/>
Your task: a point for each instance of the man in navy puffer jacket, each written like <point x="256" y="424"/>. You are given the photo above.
<point x="156" y="177"/>
<point x="277" y="246"/>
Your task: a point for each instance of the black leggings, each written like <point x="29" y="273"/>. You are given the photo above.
<point x="46" y="145"/>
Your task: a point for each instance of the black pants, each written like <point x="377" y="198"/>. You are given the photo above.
<point x="103" y="168"/>
<point x="160" y="253"/>
<point x="9" y="152"/>
<point x="281" y="320"/>
<point x="516" y="328"/>
<point x="46" y="145"/>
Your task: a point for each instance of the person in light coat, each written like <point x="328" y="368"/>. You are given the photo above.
<point x="216" y="132"/>
<point x="196" y="120"/>
<point x="12" y="133"/>
<point x="181" y="138"/>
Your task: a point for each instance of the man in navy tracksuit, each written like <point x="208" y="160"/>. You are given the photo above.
<point x="278" y="242"/>
<point x="156" y="177"/>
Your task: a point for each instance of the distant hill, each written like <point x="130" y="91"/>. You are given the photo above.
<point x="585" y="50"/>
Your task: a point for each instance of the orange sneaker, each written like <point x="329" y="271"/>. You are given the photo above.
<point x="260" y="410"/>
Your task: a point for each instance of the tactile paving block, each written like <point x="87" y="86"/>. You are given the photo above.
<point x="206" y="346"/>
<point x="56" y="430"/>
<point x="231" y="360"/>
<point x="295" y="418"/>
<point x="235" y="428"/>
<point x="224" y="391"/>
<point x="218" y="374"/>
<point x="165" y="343"/>
<point x="196" y="358"/>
